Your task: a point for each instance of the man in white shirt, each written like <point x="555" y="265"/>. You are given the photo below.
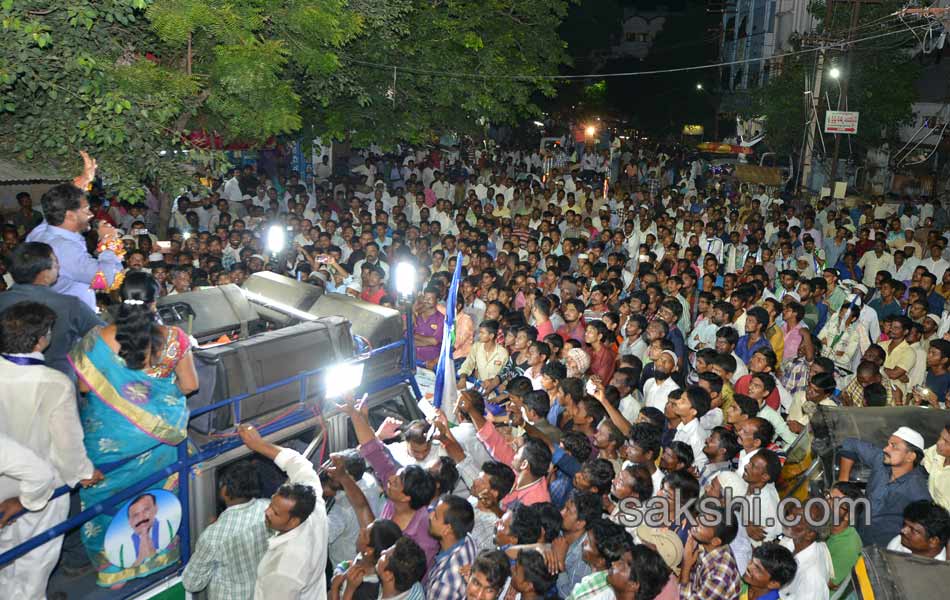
<point x="656" y="390"/>
<point x="294" y="566"/>
<point x="232" y="190"/>
<point x="925" y="531"/>
<point x="27" y="483"/>
<point x="690" y="408"/>
<point x="936" y="264"/>
<point x="38" y="410"/>
<point x="760" y="475"/>
<point x="806" y="540"/>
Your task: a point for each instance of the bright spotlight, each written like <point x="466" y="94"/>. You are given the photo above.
<point x="343" y="378"/>
<point x="699" y="86"/>
<point x="405" y="278"/>
<point x="591" y="130"/>
<point x="276" y="238"/>
<point x="186" y="235"/>
<point x="539" y="124"/>
<point x="834" y="73"/>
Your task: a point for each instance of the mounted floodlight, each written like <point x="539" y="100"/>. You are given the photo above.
<point x="699" y="86"/>
<point x="405" y="278"/>
<point x="342" y="378"/>
<point x="276" y="239"/>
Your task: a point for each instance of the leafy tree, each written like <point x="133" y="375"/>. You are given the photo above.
<point x="880" y="80"/>
<point x="128" y="79"/>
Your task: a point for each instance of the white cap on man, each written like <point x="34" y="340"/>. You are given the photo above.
<point x="911" y="437"/>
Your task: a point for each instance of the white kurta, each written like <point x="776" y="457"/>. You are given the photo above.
<point x="34" y="481"/>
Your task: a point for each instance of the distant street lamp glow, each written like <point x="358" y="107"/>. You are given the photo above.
<point x="699" y="86"/>
<point x="835" y="72"/>
<point x="591" y="130"/>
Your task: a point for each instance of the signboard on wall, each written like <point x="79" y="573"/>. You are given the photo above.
<point x="841" y="121"/>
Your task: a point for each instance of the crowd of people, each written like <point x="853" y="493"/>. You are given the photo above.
<point x="634" y="332"/>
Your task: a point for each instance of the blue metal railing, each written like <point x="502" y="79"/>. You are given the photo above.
<point x="186" y="462"/>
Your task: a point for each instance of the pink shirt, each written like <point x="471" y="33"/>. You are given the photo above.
<point x="464" y="335"/>
<point x="545" y="329"/>
<point x="533" y="493"/>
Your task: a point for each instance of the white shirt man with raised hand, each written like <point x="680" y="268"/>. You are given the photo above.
<point x="294" y="565"/>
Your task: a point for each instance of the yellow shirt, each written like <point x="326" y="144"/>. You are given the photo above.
<point x="939" y="481"/>
<point x="903" y="357"/>
<point x="777" y="340"/>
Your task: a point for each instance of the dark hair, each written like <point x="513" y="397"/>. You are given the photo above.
<point x="577" y="445"/>
<point x="778" y="561"/>
<point x="490" y="325"/>
<point x="768" y="381"/>
<point x="728" y="441"/>
<point x="726" y="525"/>
<point x="537" y="401"/>
<point x="448" y="476"/>
<point x="760" y="315"/>
<point x="500" y="477"/>
<point x="610" y="539"/>
<point x="773" y="464"/>
<point x="649" y="570"/>
<point x="28" y="260"/>
<point x="554" y="370"/>
<point x="647" y="437"/>
<point x="771" y="359"/>
<point x="140" y="497"/>
<point x="654" y="415"/>
<point x="23" y="324"/>
<point x="714" y="381"/>
<point x="538" y="456"/>
<point x="407" y="563"/>
<point x="58" y="200"/>
<point x="932" y="517"/>
<point x="683" y="453"/>
<point x="747" y="405"/>
<point x="643" y="481"/>
<point x="824" y="382"/>
<point x="600" y="472"/>
<point x="416" y="431"/>
<point x="459" y="515"/>
<point x="241" y="480"/>
<point x="419" y="485"/>
<point x="525" y="523"/>
<point x="303" y="497"/>
<point x="137" y="331"/>
<point x="683" y="481"/>
<point x="728" y="333"/>
<point x="699" y="399"/>
<point x="476" y="400"/>
<point x="383" y="533"/>
<point x="493" y="564"/>
<point x="551" y="521"/>
<point x="589" y="506"/>
<point x="875" y="395"/>
<point x="572" y="387"/>
<point x="535" y="571"/>
<point x="764" y="431"/>
<point x="726" y="362"/>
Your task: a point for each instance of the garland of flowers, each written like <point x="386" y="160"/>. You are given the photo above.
<point x="99" y="281"/>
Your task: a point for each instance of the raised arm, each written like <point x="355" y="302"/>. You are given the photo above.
<point x="297" y="468"/>
<point x="337" y="472"/>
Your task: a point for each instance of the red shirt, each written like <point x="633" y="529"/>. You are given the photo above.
<point x="742" y="387"/>
<point x="373" y="297"/>
<point x="602" y="363"/>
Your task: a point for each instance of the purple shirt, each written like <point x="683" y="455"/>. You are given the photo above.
<point x="379" y="457"/>
<point x="430" y="327"/>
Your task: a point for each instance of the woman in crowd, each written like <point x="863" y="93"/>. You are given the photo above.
<point x="134" y="375"/>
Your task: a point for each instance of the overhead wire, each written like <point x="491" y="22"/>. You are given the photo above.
<point x="457" y="75"/>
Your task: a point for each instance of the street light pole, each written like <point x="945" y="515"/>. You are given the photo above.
<point x="844" y="84"/>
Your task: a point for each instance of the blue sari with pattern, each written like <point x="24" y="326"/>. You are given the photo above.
<point x="136" y="419"/>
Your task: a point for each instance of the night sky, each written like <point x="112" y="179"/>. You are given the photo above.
<point x="655" y="103"/>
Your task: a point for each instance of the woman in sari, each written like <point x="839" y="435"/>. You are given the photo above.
<point x="134" y="375"/>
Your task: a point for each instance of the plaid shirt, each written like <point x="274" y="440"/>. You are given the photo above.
<point x="715" y="575"/>
<point x="444" y="580"/>
<point x="228" y="551"/>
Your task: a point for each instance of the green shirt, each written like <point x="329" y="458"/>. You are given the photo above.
<point x="845" y="549"/>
